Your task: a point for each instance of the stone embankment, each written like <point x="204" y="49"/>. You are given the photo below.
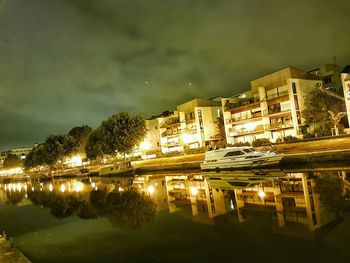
<point x="9" y="254"/>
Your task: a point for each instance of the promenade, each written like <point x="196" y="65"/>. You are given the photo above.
<point x="9" y="254"/>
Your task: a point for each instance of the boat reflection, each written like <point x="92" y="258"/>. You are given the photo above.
<point x="298" y="204"/>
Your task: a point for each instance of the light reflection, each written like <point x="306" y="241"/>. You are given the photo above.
<point x="194" y="191"/>
<point x="150" y="189"/>
<point x="63" y="188"/>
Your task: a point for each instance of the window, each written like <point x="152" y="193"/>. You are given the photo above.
<point x="234" y="153"/>
<point x="294" y="87"/>
<point x="327" y="80"/>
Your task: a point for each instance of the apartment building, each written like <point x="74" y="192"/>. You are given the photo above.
<point x="194" y="124"/>
<point x="345" y="77"/>
<point x="270" y="109"/>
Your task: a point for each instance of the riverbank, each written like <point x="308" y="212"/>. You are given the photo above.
<point x="9" y="254"/>
<point x="307" y="154"/>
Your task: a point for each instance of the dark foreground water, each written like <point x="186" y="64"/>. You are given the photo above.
<point x="257" y="216"/>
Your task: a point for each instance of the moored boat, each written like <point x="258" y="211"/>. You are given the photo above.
<point x="231" y="158"/>
<point x="122" y="168"/>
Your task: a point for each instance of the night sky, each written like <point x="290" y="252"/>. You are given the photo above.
<point x="65" y="63"/>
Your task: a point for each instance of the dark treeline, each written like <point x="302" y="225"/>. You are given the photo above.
<point x="128" y="208"/>
<point x="118" y="134"/>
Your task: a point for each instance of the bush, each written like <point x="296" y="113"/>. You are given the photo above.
<point x="194" y="150"/>
<point x="309" y="136"/>
<point x="291" y="138"/>
<point x="260" y="142"/>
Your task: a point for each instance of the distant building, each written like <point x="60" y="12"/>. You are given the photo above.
<point x="345" y="76"/>
<point x="271" y="109"/>
<point x="330" y="75"/>
<point x="21" y="152"/>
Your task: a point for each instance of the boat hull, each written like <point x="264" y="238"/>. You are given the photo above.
<point x="269" y="161"/>
<point x="113" y="172"/>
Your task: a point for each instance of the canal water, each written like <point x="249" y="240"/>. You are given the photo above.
<point x="249" y="216"/>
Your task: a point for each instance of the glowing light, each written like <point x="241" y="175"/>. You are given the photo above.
<point x="187" y="138"/>
<point x="93" y="184"/>
<point x="120" y="189"/>
<point x="261" y="194"/>
<point x="150" y="189"/>
<point x="19" y="187"/>
<point x="50" y="187"/>
<point x="12" y="171"/>
<point x="232" y="205"/>
<point x="146" y="145"/>
<point x="194" y="191"/>
<point x="33" y="189"/>
<point x="78" y="187"/>
<point x="63" y="188"/>
<point x="250" y="126"/>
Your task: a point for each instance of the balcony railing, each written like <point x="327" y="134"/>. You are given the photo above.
<point x="247" y="117"/>
<point x="277" y="95"/>
<point x="239" y="103"/>
<point x="259" y="128"/>
<point x="274" y="111"/>
<point x="276" y="126"/>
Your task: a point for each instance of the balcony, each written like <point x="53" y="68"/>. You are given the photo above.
<point x="240" y="103"/>
<point x="274" y="111"/>
<point x="171" y="133"/>
<point x="279" y="126"/>
<point x="277" y="95"/>
<point x="247" y="117"/>
<point x="244" y="131"/>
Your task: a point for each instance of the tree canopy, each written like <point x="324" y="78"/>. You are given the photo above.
<point x="318" y="103"/>
<point x="122" y="132"/>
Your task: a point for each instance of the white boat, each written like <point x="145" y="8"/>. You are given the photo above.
<point x="239" y="157"/>
<point x="122" y="168"/>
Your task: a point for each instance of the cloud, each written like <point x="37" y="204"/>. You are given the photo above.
<point x="73" y="62"/>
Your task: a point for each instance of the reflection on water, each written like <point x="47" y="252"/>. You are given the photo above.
<point x="299" y="203"/>
<point x="199" y="216"/>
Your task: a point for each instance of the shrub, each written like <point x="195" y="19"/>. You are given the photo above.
<point x="291" y="138"/>
<point x="261" y="142"/>
<point x="309" y="135"/>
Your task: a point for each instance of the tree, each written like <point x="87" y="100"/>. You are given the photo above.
<point x="122" y="132"/>
<point x="94" y="145"/>
<point x="330" y="190"/>
<point x="335" y="119"/>
<point x="35" y="157"/>
<point x="81" y="135"/>
<point x="12" y="161"/>
<point x="58" y="146"/>
<point x="317" y="104"/>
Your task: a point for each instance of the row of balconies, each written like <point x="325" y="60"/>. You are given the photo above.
<point x="262" y="128"/>
<point x="258" y="115"/>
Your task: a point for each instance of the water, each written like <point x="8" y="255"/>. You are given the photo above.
<point x="256" y="216"/>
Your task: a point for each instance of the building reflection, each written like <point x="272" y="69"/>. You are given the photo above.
<point x="290" y="200"/>
<point x="192" y="193"/>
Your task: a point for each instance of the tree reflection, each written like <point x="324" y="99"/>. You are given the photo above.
<point x="128" y="208"/>
<point x="331" y="193"/>
<point x="14" y="198"/>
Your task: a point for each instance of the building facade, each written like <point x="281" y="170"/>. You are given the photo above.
<point x="194" y="124"/>
<point x="271" y="109"/>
